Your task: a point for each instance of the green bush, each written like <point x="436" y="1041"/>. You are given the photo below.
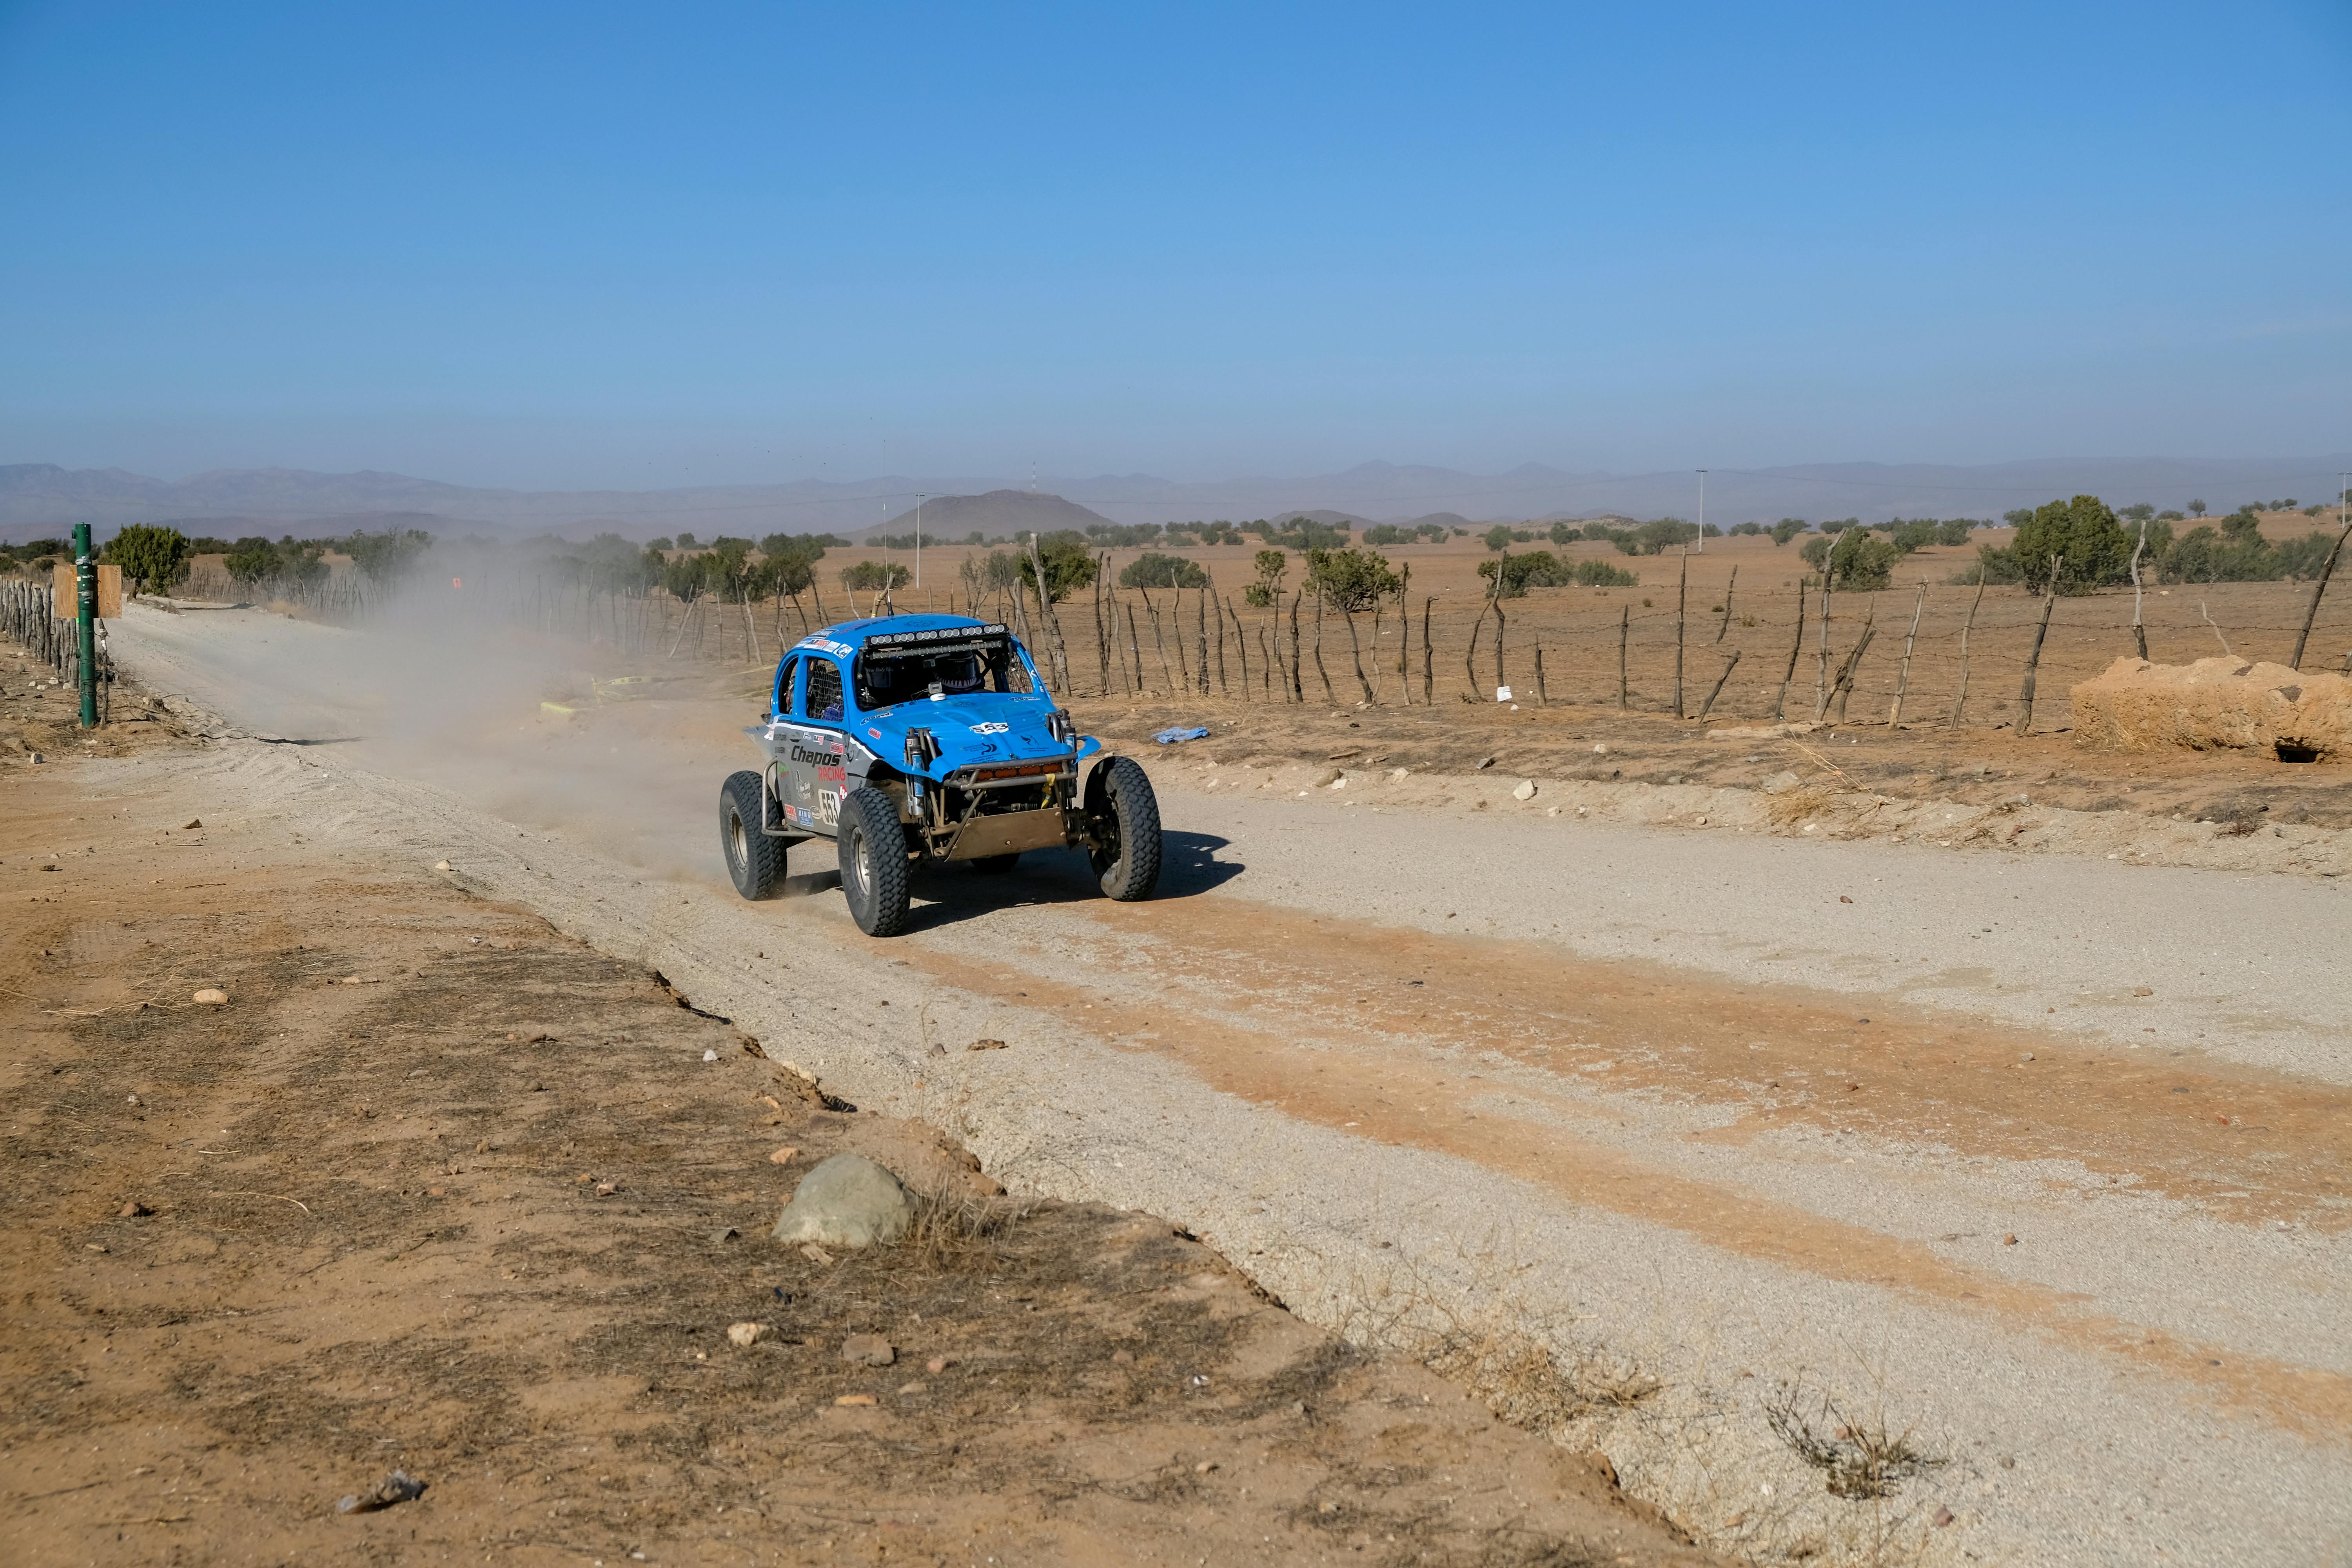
<point x="1152" y="570"/>
<point x="875" y="576"/>
<point x="154" y="558"/>
<point x="2094" y="549"/>
<point x="1070" y="564"/>
<point x="1788" y="528"/>
<point x="1351" y="579"/>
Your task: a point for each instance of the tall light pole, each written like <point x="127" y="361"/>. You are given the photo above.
<point x="1702" y="511"/>
<point x="919" y="539"/>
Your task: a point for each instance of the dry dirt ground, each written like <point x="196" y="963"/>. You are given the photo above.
<point x="438" y="1189"/>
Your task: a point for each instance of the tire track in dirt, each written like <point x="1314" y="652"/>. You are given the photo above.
<point x="1260" y="1057"/>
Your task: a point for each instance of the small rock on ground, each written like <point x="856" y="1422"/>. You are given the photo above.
<point x="847" y="1200"/>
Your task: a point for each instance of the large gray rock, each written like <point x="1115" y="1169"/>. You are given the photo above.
<point x="847" y="1200"/>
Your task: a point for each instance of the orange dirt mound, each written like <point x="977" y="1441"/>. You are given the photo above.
<point x="2215" y="704"/>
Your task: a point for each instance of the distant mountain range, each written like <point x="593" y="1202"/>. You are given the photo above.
<point x="41" y="499"/>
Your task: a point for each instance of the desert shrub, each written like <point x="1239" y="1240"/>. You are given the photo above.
<point x="1352" y="579"/>
<point x="1746" y="530"/>
<point x="1267" y="590"/>
<point x="387" y="557"/>
<point x="2094" y="549"/>
<point x="154" y="558"/>
<point x="1561" y="533"/>
<point x="1497" y="538"/>
<point x="1153" y="570"/>
<point x="1518" y="573"/>
<point x="1070" y="564"/>
<point x="1602" y="575"/>
<point x="871" y="576"/>
<point x="1788" y="528"/>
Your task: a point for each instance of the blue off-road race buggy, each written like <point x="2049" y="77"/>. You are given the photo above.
<point x="908" y="739"/>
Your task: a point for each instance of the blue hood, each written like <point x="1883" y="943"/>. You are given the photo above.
<point x="967" y="730"/>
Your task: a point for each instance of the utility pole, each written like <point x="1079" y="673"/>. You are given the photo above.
<point x="919" y="539"/>
<point x="1702" y="511"/>
<point x="86" y="623"/>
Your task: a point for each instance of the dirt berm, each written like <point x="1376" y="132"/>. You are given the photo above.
<point x="2215" y="704"/>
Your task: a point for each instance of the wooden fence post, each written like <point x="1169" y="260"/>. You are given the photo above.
<point x="1428" y="671"/>
<point x="1845" y="687"/>
<point x="2033" y="655"/>
<point x="2310" y="611"/>
<point x="1960" y="698"/>
<point x="1796" y="651"/>
<point x="1903" y="678"/>
<point x="1682" y="618"/>
<point x="1624" y="634"/>
<point x="1543" y="697"/>
<point x="1729" y="666"/>
<point x="1727" y="587"/>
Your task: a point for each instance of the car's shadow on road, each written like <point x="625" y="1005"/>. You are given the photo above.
<point x="947" y="895"/>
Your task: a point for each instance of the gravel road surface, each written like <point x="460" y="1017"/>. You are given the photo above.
<point x="2038" y="1164"/>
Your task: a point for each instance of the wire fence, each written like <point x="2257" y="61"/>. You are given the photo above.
<point x="27" y="615"/>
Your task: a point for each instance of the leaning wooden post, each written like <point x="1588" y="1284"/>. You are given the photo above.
<point x="1682" y="617"/>
<point x="2311" y="610"/>
<point x="1298" y="669"/>
<point x="1843" y="690"/>
<point x="1727" y="587"/>
<point x="1322" y="674"/>
<point x="1200" y="633"/>
<point x="1543" y="696"/>
<point x="1102" y="633"/>
<point x="1729" y="666"/>
<point x="1218" y="599"/>
<point x="2139" y="627"/>
<point x="1241" y="642"/>
<point x="1624" y="634"/>
<point x="1821" y="664"/>
<point x="1404" y="635"/>
<point x="1796" y="651"/>
<point x="1499" y="680"/>
<point x="1045" y="607"/>
<point x="1428" y="669"/>
<point x="1902" y="677"/>
<point x="1960" y="700"/>
<point x="2033" y="655"/>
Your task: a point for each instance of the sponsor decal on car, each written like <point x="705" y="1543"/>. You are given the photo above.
<point x="990" y="729"/>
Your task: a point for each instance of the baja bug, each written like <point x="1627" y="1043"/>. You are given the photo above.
<point x="911" y="739"/>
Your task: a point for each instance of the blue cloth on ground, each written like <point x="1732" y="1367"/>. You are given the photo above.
<point x="1176" y="733"/>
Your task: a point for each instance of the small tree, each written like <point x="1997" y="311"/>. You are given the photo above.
<point x="1153" y="570"/>
<point x="2197" y="508"/>
<point x="875" y="576"/>
<point x="386" y="557"/>
<point x="1497" y="538"/>
<point x="1267" y="590"/>
<point x="2085" y="532"/>
<point x="1070" y="564"/>
<point x="1788" y="528"/>
<point x="154" y="558"/>
<point x="1350" y="580"/>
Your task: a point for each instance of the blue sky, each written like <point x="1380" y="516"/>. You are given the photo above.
<point x="559" y="246"/>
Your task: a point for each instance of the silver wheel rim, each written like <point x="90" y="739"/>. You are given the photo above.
<point x="858" y="850"/>
<point x="739" y="852"/>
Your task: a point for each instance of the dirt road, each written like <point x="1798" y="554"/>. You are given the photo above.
<point x="1796" y="1149"/>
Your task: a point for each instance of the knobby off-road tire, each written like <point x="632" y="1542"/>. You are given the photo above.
<point x="754" y="861"/>
<point x="994" y="865"/>
<point x="1126" y="820"/>
<point x="873" y="845"/>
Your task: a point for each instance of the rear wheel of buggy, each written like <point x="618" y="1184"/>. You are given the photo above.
<point x="873" y="845"/>
<point x="754" y="861"/>
<point x="1125" y="818"/>
<point x="994" y="865"/>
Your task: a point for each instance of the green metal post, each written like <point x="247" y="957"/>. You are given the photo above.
<point x="86" y="619"/>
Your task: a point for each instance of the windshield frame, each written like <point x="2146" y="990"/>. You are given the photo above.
<point x="997" y="650"/>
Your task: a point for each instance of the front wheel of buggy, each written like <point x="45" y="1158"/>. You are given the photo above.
<point x="1126" y="821"/>
<point x="754" y="861"/>
<point x="873" y="862"/>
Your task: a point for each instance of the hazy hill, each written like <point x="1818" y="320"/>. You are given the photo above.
<point x="41" y="499"/>
<point x="998" y="514"/>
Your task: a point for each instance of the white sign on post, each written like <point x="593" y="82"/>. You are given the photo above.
<point x="1502" y="694"/>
